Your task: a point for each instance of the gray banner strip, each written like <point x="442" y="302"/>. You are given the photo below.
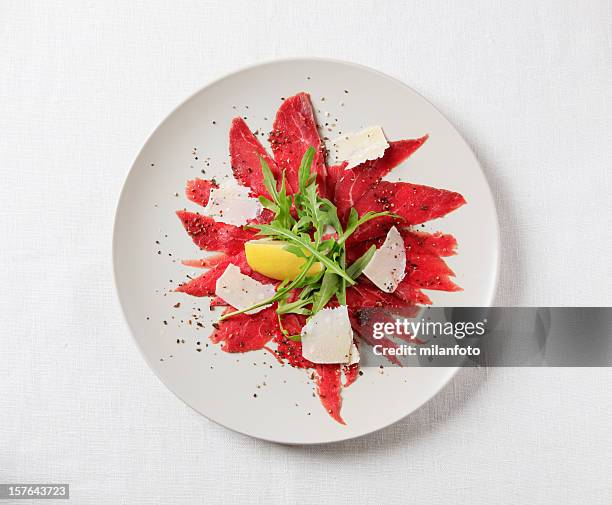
<point x="487" y="336"/>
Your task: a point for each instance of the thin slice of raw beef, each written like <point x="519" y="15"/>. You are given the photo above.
<point x="355" y="183"/>
<point x="208" y="262"/>
<point x="425" y="269"/>
<point x="245" y="152"/>
<point x="329" y="385"/>
<point x="198" y="190"/>
<point x="351" y="374"/>
<point x="294" y="131"/>
<point x="291" y="350"/>
<point x="334" y="173"/>
<point x="366" y="295"/>
<point x="415" y="204"/>
<point x="245" y="332"/>
<point x="412" y="295"/>
<point x="354" y="250"/>
<point x="437" y="244"/>
<point x="217" y="301"/>
<point x="211" y="235"/>
<point x="204" y="285"/>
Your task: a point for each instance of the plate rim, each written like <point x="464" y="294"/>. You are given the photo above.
<point x="262" y="63"/>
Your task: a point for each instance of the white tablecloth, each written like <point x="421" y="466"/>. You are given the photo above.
<point x="529" y="86"/>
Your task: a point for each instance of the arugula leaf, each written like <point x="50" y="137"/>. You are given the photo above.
<point x="329" y="287"/>
<point x="303" y="223"/>
<point x="327" y="245"/>
<point x="307" y="291"/>
<point x="354" y="222"/>
<point x="295" y="250"/>
<point x="332" y="214"/>
<point x="304" y="175"/>
<point x="268" y="179"/>
<point x="356" y="269"/>
<point x="313" y="207"/>
<point x="341" y="294"/>
<point x="268" y="204"/>
<point x="351" y="223"/>
<point x="311" y="280"/>
<point x="296" y="307"/>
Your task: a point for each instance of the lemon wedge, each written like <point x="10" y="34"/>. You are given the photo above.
<point x="270" y="258"/>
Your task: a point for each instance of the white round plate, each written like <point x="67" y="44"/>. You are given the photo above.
<point x="149" y="243"/>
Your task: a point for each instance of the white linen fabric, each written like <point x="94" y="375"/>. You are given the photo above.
<point x="83" y="83"/>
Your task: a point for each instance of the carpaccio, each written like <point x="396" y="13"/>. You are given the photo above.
<point x="361" y="187"/>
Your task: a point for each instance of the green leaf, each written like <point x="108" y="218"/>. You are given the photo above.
<point x="332" y="215"/>
<point x="268" y="204"/>
<point x="282" y="284"/>
<point x="327" y="246"/>
<point x="268" y="179"/>
<point x="305" y="167"/>
<point x="329" y="287"/>
<point x="303" y="223"/>
<point x="297" y="307"/>
<point x="341" y="294"/>
<point x="356" y="269"/>
<point x="297" y="251"/>
<point x="351" y="223"/>
<point x="282" y="194"/>
<point x="307" y="291"/>
<point x="355" y="222"/>
<point x="295" y="338"/>
<point x="311" y="279"/>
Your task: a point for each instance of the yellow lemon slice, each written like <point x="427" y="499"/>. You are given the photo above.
<point x="269" y="258"/>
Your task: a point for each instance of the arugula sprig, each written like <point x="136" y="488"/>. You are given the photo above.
<point x="281" y="203"/>
<point x="303" y="221"/>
